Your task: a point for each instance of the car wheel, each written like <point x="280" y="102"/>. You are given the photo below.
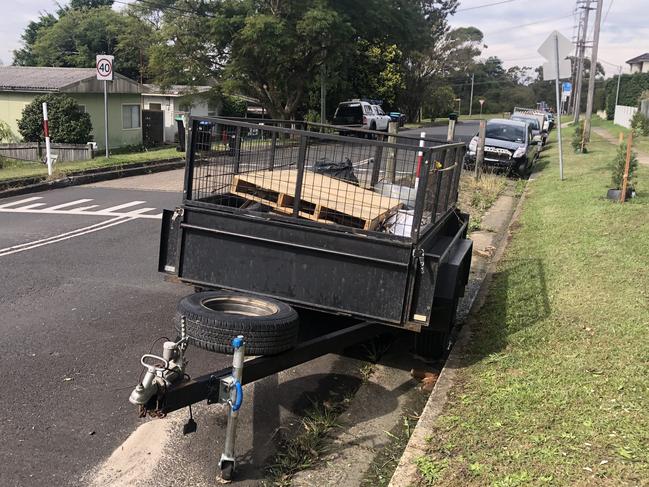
<point x="214" y="318"/>
<point x="522" y="168"/>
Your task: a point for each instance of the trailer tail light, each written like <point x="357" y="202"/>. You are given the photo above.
<point x="364" y="120"/>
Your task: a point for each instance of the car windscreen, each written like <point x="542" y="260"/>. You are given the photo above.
<point x="508" y="132"/>
<point x="349" y="110"/>
<point x="534" y="123"/>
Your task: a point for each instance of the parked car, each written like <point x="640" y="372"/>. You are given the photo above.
<point x="361" y="114"/>
<point x="398" y="117"/>
<point x="381" y="119"/>
<point x="542" y="116"/>
<point x="508" y="146"/>
<point x="538" y="134"/>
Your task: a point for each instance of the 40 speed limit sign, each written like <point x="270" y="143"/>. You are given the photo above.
<point x="104" y="67"/>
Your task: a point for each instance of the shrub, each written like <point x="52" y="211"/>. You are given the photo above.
<point x="618" y="165"/>
<point x="640" y="124"/>
<point x="576" y="138"/>
<point x="632" y="87"/>
<point x="67" y="122"/>
<point x="6" y="135"/>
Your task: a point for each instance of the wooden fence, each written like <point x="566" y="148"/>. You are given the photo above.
<point x="35" y="151"/>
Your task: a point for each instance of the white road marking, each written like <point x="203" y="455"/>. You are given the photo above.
<point x="139" y="211"/>
<point x="71" y="203"/>
<point x="85" y="208"/>
<point x="29" y="207"/>
<point x="26" y="200"/>
<point x="112" y="209"/>
<point x="65" y="236"/>
<point x="77" y="211"/>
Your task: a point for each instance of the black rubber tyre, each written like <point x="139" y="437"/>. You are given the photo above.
<point x="214" y="318"/>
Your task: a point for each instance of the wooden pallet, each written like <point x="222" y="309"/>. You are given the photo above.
<point x="323" y="199"/>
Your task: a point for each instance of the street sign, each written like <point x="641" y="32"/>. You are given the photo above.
<point x="481" y="100"/>
<point x="548" y="50"/>
<point x="556" y="49"/>
<point x="104" y="67"/>
<point x="566" y="88"/>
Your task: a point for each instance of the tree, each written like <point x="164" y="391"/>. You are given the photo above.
<point x="24" y="56"/>
<point x="450" y="54"/>
<point x="276" y="50"/>
<point x="83" y="30"/>
<point x="67" y="122"/>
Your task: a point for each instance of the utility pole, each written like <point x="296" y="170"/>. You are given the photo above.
<point x="323" y="94"/>
<point x="471" y="101"/>
<point x="593" y="71"/>
<point x="617" y="91"/>
<point x="580" y="62"/>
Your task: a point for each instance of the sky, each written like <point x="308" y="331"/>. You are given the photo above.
<point x="625" y="33"/>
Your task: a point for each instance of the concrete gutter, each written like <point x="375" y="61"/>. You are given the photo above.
<point x="406" y="474"/>
<point x="15" y="187"/>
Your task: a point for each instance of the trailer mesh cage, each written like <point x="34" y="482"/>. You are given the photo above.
<point x="324" y="175"/>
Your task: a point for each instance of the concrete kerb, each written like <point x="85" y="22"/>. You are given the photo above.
<point x="88" y="177"/>
<point x="405" y="474"/>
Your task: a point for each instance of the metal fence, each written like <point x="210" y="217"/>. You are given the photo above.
<point x="35" y="152"/>
<point x="377" y="186"/>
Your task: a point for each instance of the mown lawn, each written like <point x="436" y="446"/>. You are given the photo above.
<point x="10" y="169"/>
<point x="555" y="384"/>
<point x="640" y="143"/>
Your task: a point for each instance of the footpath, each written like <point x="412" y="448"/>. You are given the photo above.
<point x="643" y="158"/>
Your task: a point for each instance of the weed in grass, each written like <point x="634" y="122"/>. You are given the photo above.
<point x="476" y="197"/>
<point x="430" y="470"/>
<point x="385" y="462"/>
<point x="304" y="449"/>
<point x="367" y="369"/>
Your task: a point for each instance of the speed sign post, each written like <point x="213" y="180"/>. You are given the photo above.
<point x="105" y="74"/>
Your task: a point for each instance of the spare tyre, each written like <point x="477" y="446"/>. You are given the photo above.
<point x="214" y="318"/>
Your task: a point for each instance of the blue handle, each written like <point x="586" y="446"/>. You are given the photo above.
<point x="239" y="398"/>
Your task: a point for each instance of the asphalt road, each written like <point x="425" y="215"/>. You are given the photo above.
<point x="81" y="301"/>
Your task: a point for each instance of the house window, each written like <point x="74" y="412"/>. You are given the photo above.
<point x="131" y="116"/>
<point x="155" y="106"/>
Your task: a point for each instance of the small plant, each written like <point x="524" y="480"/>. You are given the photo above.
<point x="640" y="124"/>
<point x="618" y="165"/>
<point x="577" y="139"/>
<point x="430" y="470"/>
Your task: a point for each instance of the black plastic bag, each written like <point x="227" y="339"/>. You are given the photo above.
<point x="339" y="170"/>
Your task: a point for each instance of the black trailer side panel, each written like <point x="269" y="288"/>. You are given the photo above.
<point x="289" y="261"/>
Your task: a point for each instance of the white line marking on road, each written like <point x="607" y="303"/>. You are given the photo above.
<point x="66" y="236"/>
<point x="139" y="211"/>
<point x="14" y="203"/>
<point x="112" y="209"/>
<point x="58" y="236"/>
<point x="85" y="208"/>
<point x="71" y="203"/>
<point x="29" y="207"/>
<point x="47" y="211"/>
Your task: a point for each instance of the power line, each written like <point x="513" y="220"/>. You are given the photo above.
<point x="608" y="10"/>
<point x="485" y="5"/>
<point x="527" y="25"/>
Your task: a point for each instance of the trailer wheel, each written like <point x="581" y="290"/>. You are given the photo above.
<point x="214" y="318"/>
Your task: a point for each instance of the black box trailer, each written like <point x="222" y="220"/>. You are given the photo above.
<point x="282" y="216"/>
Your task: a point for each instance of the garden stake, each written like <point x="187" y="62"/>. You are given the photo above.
<point x="626" y="168"/>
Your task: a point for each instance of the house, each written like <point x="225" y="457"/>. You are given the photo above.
<point x="177" y="101"/>
<point x="639" y="64"/>
<point x="20" y="85"/>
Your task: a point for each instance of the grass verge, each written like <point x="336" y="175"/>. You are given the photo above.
<point x="554" y="388"/>
<point x="639" y="143"/>
<point x="476" y="197"/>
<point x="11" y="169"/>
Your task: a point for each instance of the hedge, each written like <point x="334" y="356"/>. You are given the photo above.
<point x="631" y="87"/>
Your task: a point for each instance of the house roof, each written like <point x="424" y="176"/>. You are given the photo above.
<point x="46" y="79"/>
<point x="175" y="90"/>
<point x="639" y="59"/>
